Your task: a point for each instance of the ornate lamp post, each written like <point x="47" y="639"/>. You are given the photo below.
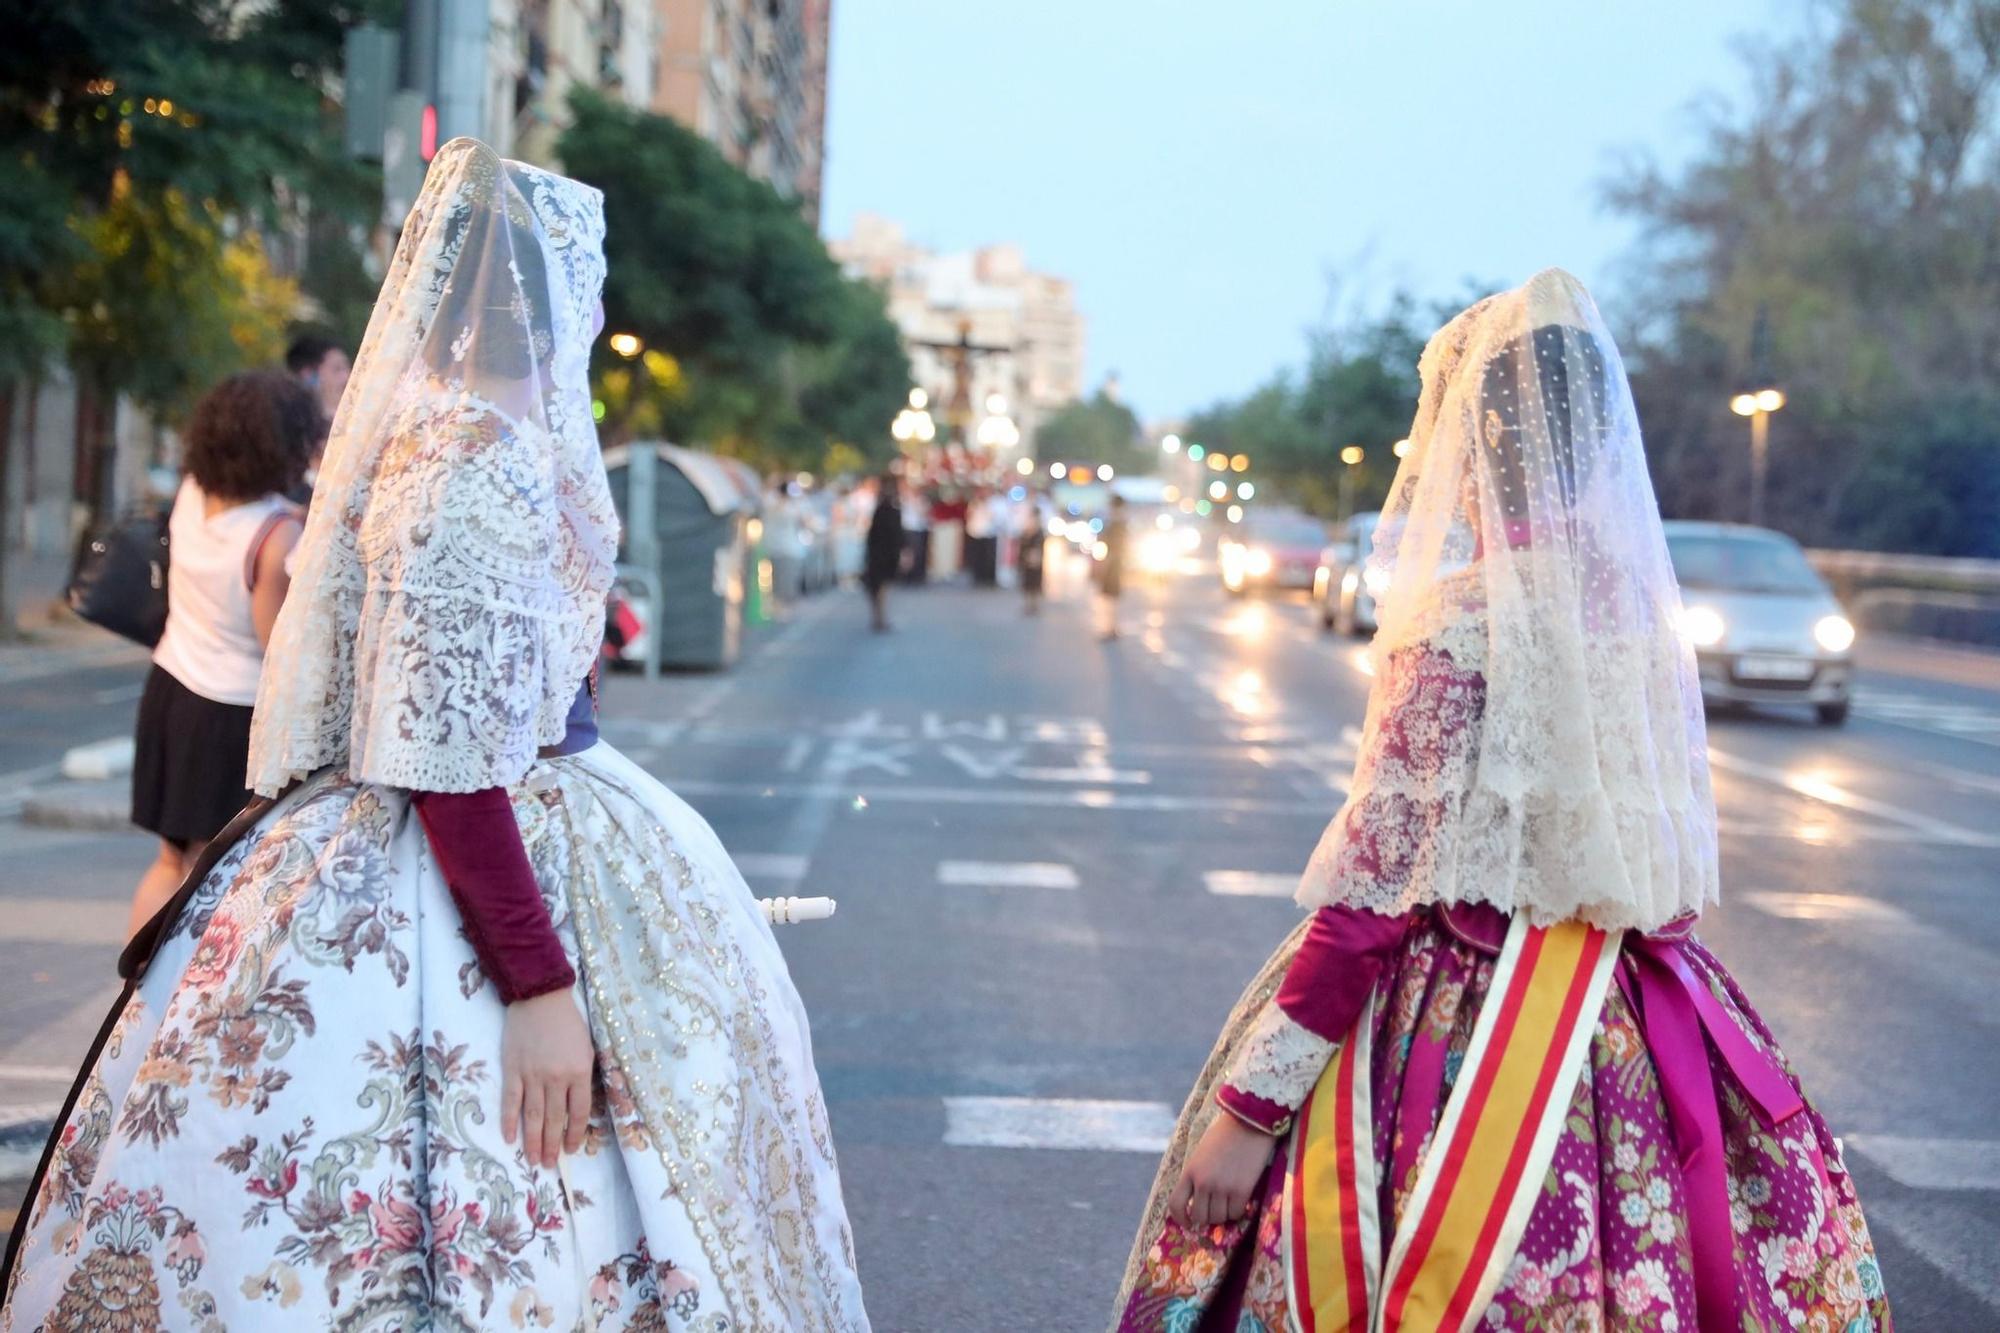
<point x="1758" y="405"/>
<point x="1352" y="456"/>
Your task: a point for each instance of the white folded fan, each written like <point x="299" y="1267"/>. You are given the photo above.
<point x="784" y="911"/>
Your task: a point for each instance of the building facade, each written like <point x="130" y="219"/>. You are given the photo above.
<point x="750" y="77"/>
<point x="1017" y="330"/>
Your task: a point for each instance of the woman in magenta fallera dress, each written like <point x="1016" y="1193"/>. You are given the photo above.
<point x="1494" y="1080"/>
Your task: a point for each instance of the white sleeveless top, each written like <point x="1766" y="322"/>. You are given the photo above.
<point x="210" y="644"/>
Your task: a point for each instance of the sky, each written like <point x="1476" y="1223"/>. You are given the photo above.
<point x="1208" y="174"/>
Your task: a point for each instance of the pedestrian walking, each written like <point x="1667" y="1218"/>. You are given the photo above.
<point x="1495" y="1081"/>
<point x="1110" y="569"/>
<point x="1033" y="548"/>
<point x="885" y="549"/>
<point x="475" y="1022"/>
<point x="229" y="534"/>
<point x="916" y="512"/>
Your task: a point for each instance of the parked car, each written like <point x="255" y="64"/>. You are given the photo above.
<point x="1765" y="627"/>
<point x="1271" y="549"/>
<point x="1342" y="587"/>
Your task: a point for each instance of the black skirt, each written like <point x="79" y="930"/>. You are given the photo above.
<point x="188" y="771"/>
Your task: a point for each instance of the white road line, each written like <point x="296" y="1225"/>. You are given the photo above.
<point x="1088" y="799"/>
<point x="1110" y="777"/>
<point x="1932" y="1164"/>
<point x="770" y="865"/>
<point x="1250" y="884"/>
<point x="37" y="1073"/>
<point x="1007" y="874"/>
<point x="1825" y="907"/>
<point x="1829" y="793"/>
<point x="1065" y="1124"/>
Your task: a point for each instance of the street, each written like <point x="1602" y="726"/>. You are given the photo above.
<point x="1058" y="861"/>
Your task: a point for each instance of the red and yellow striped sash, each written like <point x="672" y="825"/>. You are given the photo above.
<point x="1484" y="1166"/>
<point x="1332" y="1230"/>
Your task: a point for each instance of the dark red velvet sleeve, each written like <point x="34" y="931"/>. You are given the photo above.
<point x="1325" y="987"/>
<point x="478" y="846"/>
<point x="1337" y="965"/>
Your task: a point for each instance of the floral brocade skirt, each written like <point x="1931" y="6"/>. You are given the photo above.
<point x="1607" y="1244"/>
<point x="294" y="1122"/>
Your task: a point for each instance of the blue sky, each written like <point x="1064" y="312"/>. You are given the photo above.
<point x="1202" y="170"/>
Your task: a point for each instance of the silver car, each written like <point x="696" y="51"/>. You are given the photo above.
<point x="1765" y="627"/>
<point x="1343" y="587"/>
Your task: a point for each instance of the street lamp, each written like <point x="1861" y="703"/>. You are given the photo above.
<point x="913" y="425"/>
<point x="1170" y="444"/>
<point x="1240" y="463"/>
<point x="1400" y="448"/>
<point x="1352" y="456"/>
<point x="626" y="345"/>
<point x="1758" y="405"/>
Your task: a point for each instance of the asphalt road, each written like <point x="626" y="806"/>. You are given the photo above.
<point x="1058" y="860"/>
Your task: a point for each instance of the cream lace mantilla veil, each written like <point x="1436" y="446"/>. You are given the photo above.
<point x="1522" y="540"/>
<point x="449" y="593"/>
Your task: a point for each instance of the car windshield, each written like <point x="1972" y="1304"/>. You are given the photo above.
<point x="1287" y="531"/>
<point x="1748" y="563"/>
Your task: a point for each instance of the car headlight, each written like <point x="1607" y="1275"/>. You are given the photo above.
<point x="1834" y="633"/>
<point x="1377" y="582"/>
<point x="1257" y="562"/>
<point x="1703" y="626"/>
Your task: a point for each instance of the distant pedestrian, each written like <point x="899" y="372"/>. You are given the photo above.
<point x="1029" y="561"/>
<point x="322" y="366"/>
<point x="1110" y="569"/>
<point x="917" y="509"/>
<point x="883" y="558"/>
<point x="229" y="534"/>
<point x="982" y="540"/>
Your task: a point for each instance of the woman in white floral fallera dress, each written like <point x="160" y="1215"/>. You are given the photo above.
<point x="329" y="1101"/>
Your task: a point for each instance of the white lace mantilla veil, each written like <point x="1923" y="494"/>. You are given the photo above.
<point x="448" y="599"/>
<point x="1521" y="538"/>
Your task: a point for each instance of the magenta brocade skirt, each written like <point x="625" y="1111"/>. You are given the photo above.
<point x="1607" y="1244"/>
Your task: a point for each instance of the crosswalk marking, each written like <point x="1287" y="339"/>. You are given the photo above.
<point x="1007" y="874"/>
<point x="1250" y="883"/>
<point x="1825" y="907"/>
<point x="1932" y="1164"/>
<point x="1066" y="1124"/>
<point x="771" y="865"/>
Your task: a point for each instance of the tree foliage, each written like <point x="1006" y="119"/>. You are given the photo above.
<point x="149" y="141"/>
<point x="1358" y="386"/>
<point x="1855" y="208"/>
<point x="755" y="342"/>
<point x="1094" y="430"/>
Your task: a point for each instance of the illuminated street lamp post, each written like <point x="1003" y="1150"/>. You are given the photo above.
<point x="913" y="425"/>
<point x="1400" y="448"/>
<point x="1758" y="406"/>
<point x="1352" y="456"/>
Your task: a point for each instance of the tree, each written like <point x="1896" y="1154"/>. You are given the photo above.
<point x="754" y="341"/>
<point x="201" y="117"/>
<point x="1358" y="387"/>
<point x="1095" y="430"/>
<point x="1857" y="204"/>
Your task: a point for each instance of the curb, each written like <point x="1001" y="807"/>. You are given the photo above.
<point x="54" y="812"/>
<point x="22" y="1140"/>
<point x="100" y="760"/>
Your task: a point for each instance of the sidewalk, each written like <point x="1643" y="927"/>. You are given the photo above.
<point x="1930" y="660"/>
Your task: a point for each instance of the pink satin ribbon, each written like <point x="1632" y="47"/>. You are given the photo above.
<point x="1683" y="1021"/>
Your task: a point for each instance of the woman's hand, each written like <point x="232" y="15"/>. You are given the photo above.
<point x="1221" y="1172"/>
<point x="545" y="1065"/>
